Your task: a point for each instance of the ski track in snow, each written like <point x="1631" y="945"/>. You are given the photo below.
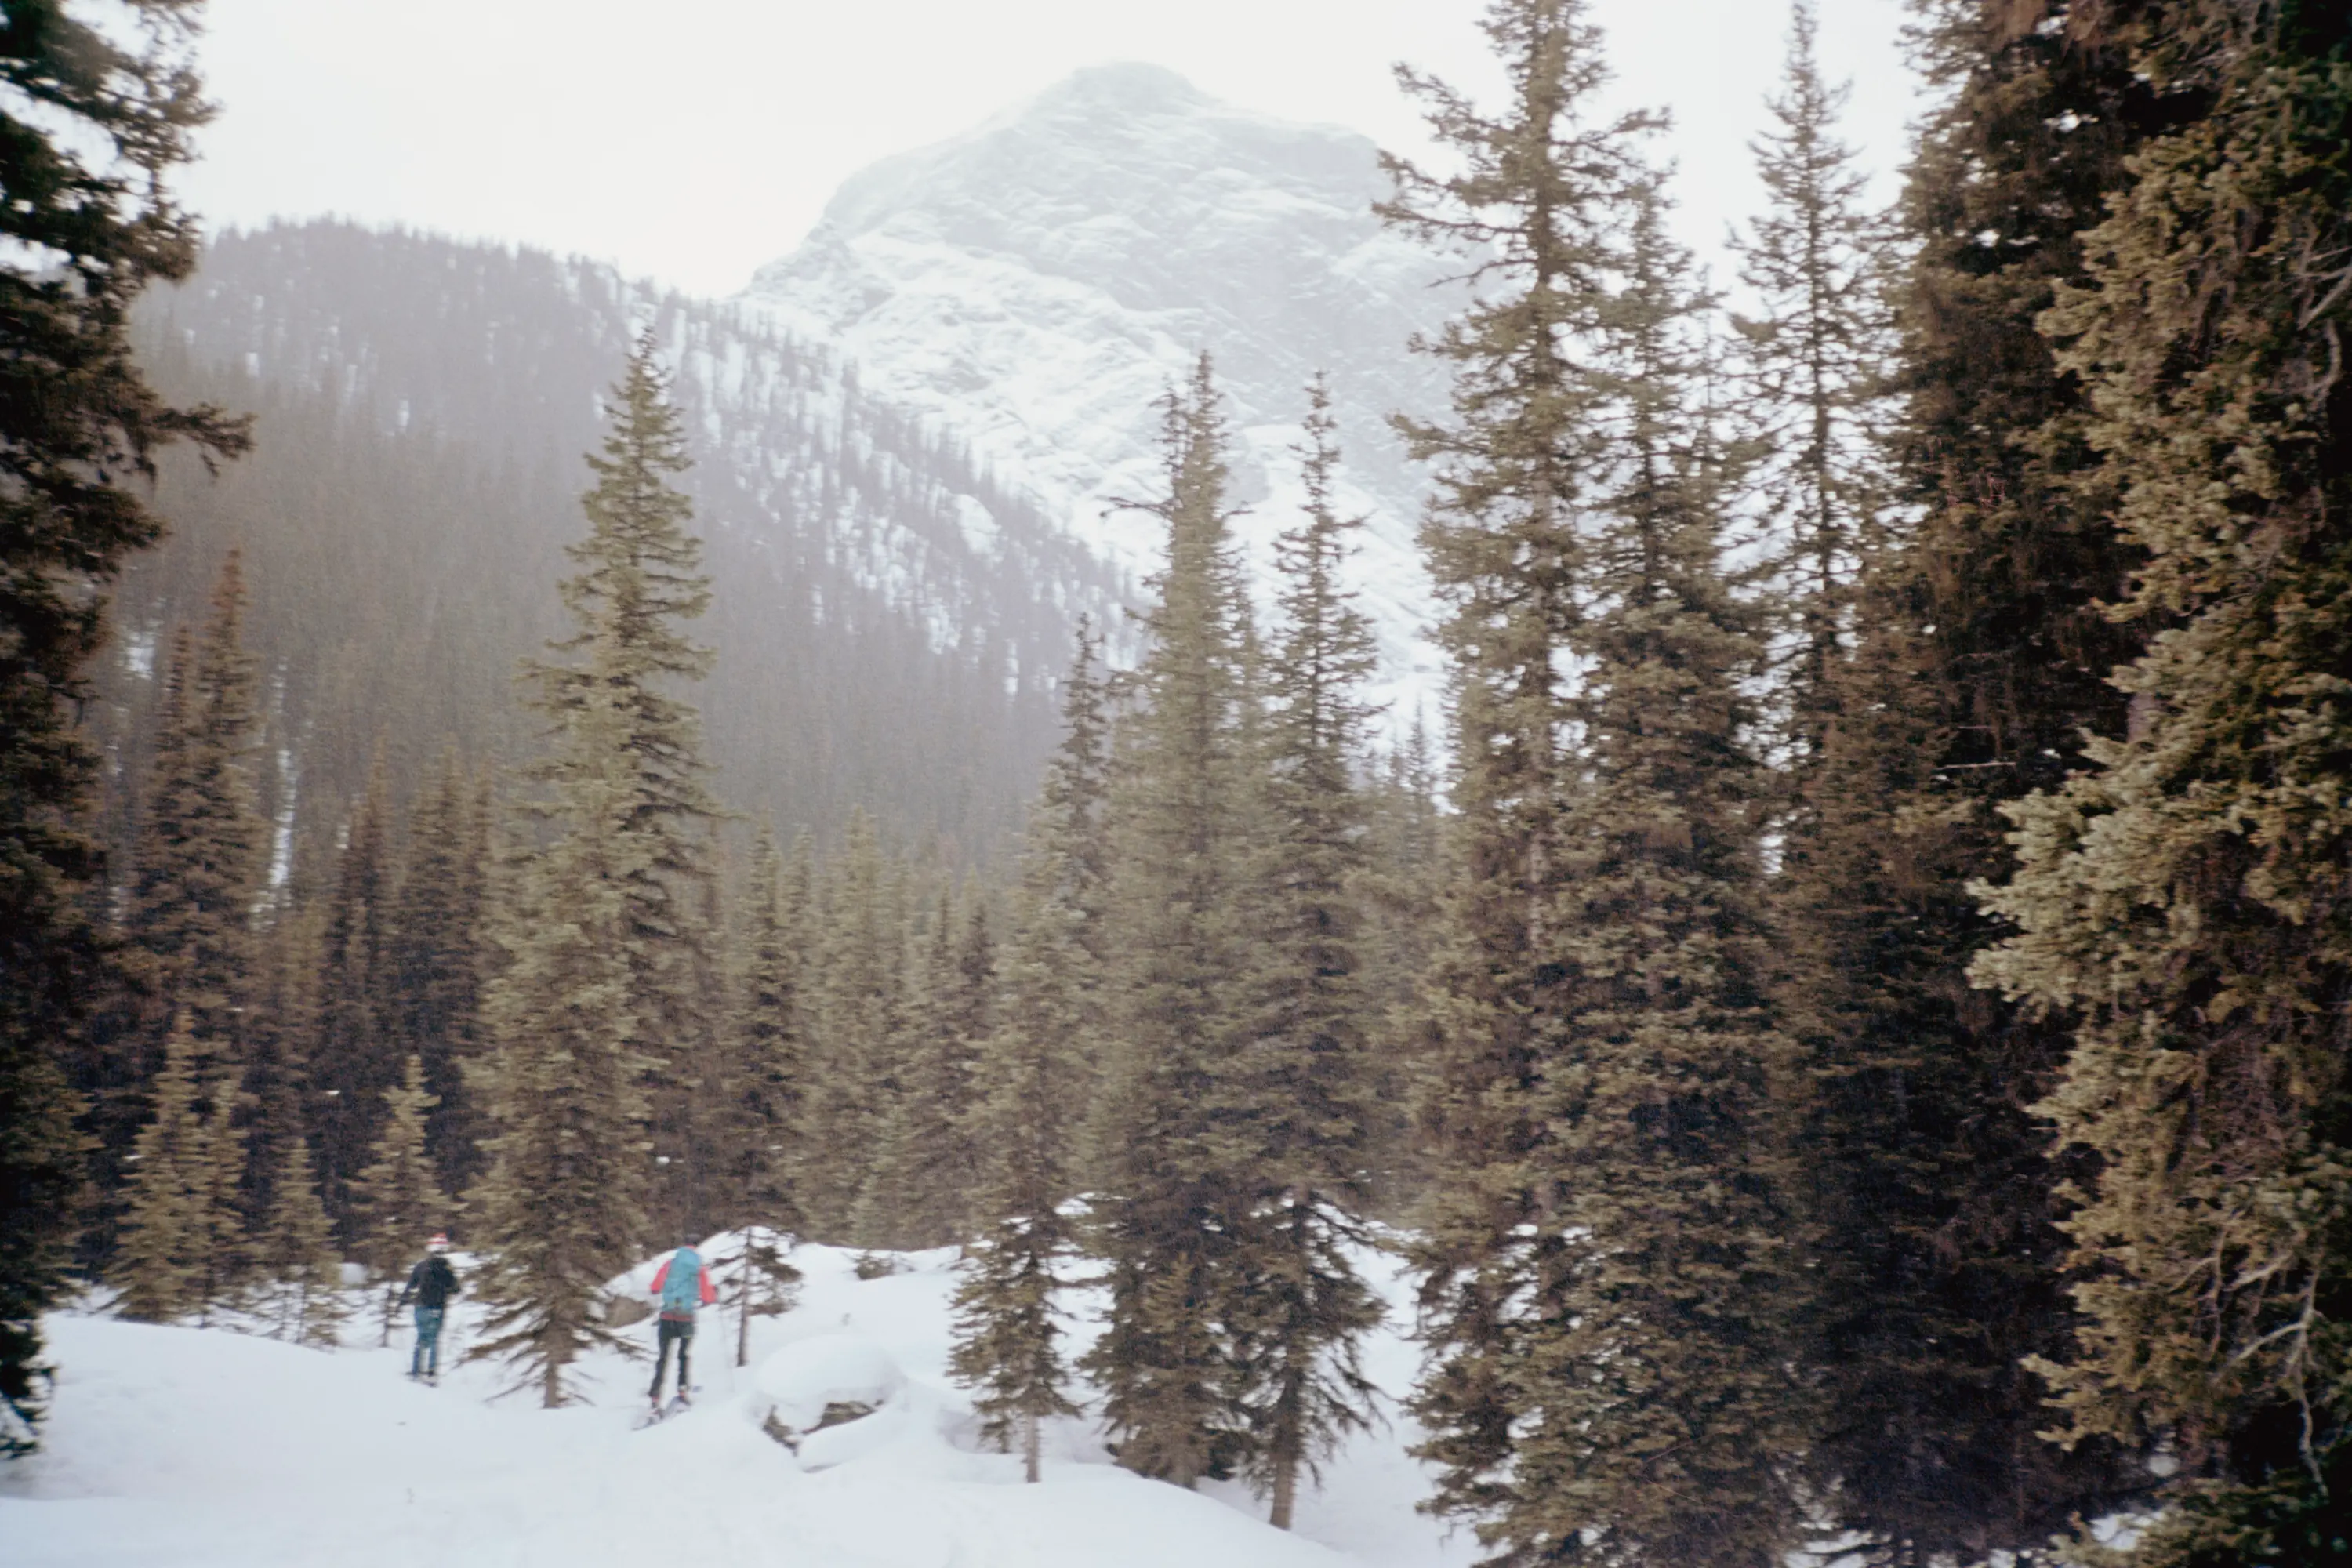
<point x="196" y="1448"/>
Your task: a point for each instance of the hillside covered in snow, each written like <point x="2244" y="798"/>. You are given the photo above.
<point x="204" y="1447"/>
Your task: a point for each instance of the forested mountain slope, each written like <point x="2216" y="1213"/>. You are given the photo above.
<point x="888" y="618"/>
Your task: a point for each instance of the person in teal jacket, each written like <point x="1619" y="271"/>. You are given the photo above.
<point x="683" y="1286"/>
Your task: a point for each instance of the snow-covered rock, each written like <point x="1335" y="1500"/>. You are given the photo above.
<point x="829" y="1399"/>
<point x="1035" y="285"/>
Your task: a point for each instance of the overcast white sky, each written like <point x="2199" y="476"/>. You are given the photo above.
<point x="694" y="140"/>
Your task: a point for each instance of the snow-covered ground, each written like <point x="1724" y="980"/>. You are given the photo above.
<point x="187" y="1446"/>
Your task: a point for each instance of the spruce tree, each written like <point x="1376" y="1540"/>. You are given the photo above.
<point x="1031" y="1083"/>
<point x="1817" y="358"/>
<point x="1008" y="1344"/>
<point x="1304" y="1074"/>
<point x="859" y="997"/>
<point x="1981" y="661"/>
<point x="96" y="120"/>
<point x="356" y="1059"/>
<point x="1607" y="1273"/>
<point x="437" y="940"/>
<point x="200" y="846"/>
<point x="562" y="1209"/>
<point x="154" y="1269"/>
<point x="768" y="1078"/>
<point x="182" y="1233"/>
<point x="300" y="1270"/>
<point x="1537" y="205"/>
<point x="639" y="578"/>
<point x="396" y="1200"/>
<point x="280" y="1027"/>
<point x="2179" y="899"/>
<point x="1171" y="1145"/>
<point x="922" y="1185"/>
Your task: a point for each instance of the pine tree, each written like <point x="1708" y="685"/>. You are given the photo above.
<point x="396" y="1201"/>
<point x="437" y="940"/>
<point x="1306" y="1307"/>
<point x="199" y="857"/>
<point x="2181" y="899"/>
<point x="154" y="1268"/>
<point x="562" y="1209"/>
<point x="1404" y="870"/>
<point x="1031" y="1083"/>
<point x="1606" y="1271"/>
<point x="1979" y="662"/>
<point x="356" y="1059"/>
<point x="180" y="1233"/>
<point x="639" y="579"/>
<point x="1542" y="193"/>
<point x="96" y="120"/>
<point x="1817" y="362"/>
<point x="925" y="1169"/>
<point x="280" y="1027"/>
<point x="295" y="1254"/>
<point x="858" y="1001"/>
<point x="769" y="1071"/>
<point x="1662" y="1352"/>
<point x="1170" y="1149"/>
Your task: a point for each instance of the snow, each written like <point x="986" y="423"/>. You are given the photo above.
<point x="196" y="1448"/>
<point x="1037" y="285"/>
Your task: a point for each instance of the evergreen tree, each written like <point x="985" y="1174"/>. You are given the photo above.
<point x="437" y="939"/>
<point x="280" y="1027"/>
<point x="1007" y="1324"/>
<point x="1171" y="1144"/>
<point x="2181" y="899"/>
<point x="926" y="1168"/>
<point x="1031" y="1084"/>
<point x="1979" y="663"/>
<point x="1306" y="1307"/>
<point x="769" y="1074"/>
<point x="201" y="843"/>
<point x="562" y="1209"/>
<point x="396" y="1202"/>
<point x="356" y="1059"/>
<point x="1817" y="360"/>
<point x="1399" y="886"/>
<point x="295" y="1254"/>
<point x="1606" y="1264"/>
<point x="180" y="1235"/>
<point x="96" y="120"/>
<point x="859" y="997"/>
<point x="1536" y="206"/>
<point x="639" y="578"/>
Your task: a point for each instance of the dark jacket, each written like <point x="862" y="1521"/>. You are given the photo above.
<point x="432" y="1282"/>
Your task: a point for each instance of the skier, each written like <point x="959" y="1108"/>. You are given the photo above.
<point x="683" y="1286"/>
<point x="432" y="1282"/>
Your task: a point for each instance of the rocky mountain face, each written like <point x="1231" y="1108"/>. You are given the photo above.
<point x="1036" y="284"/>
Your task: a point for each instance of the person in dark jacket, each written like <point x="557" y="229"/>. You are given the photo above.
<point x="431" y="1283"/>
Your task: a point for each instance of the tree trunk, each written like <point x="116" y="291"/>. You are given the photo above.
<point x="1029" y="1446"/>
<point x="743" y="1300"/>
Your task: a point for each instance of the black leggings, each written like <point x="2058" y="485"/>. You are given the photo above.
<point x="671" y="1332"/>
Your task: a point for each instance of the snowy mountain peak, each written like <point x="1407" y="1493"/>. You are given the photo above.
<point x="1033" y="285"/>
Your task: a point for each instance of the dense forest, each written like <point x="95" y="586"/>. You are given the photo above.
<point x="1845" y="1028"/>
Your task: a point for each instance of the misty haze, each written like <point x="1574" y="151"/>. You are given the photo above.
<point x="1412" y="783"/>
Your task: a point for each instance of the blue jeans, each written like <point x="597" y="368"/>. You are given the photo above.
<point x="427" y="1356"/>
